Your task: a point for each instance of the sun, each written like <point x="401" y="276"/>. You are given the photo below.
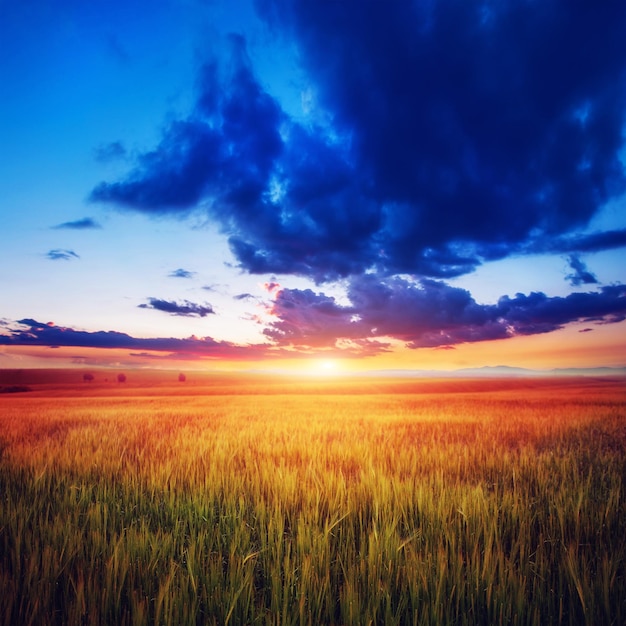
<point x="326" y="366"/>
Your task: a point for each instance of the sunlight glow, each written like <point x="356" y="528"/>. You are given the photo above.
<point x="326" y="366"/>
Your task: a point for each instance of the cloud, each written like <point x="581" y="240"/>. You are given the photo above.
<point x="224" y="151"/>
<point x="183" y="309"/>
<point x="380" y="312"/>
<point x="425" y="314"/>
<point x="112" y="151"/>
<point x="85" y="223"/>
<point x="581" y="275"/>
<point x="445" y="134"/>
<point x="429" y="313"/>
<point x="271" y="286"/>
<point x="306" y="318"/>
<point x="29" y="332"/>
<point x="181" y="273"/>
<point x="60" y="254"/>
<point x="587" y="242"/>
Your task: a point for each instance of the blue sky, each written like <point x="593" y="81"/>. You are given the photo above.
<point x="382" y="184"/>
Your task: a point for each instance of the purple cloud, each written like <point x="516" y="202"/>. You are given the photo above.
<point x="429" y="314"/>
<point x="420" y="314"/>
<point x="183" y="309"/>
<point x="29" y="332"/>
<point x="245" y="296"/>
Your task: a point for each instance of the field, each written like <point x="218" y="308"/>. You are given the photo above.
<point x="255" y="500"/>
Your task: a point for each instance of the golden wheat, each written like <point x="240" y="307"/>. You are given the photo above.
<point x="369" y="503"/>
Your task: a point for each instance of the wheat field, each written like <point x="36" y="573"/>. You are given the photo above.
<point x="259" y="500"/>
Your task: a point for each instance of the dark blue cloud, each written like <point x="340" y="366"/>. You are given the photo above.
<point x="580" y="274"/>
<point x="172" y="177"/>
<point x="538" y="313"/>
<point x="454" y="132"/>
<point x="587" y="242"/>
<point x="224" y="152"/>
<point x="429" y="314"/>
<point x="474" y="130"/>
<point x="181" y="273"/>
<point x="85" y="223"/>
<point x="183" y="309"/>
<point x="59" y="254"/>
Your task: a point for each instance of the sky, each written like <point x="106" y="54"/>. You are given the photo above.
<point x="312" y="186"/>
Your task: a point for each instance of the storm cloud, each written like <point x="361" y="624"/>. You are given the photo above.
<point x="452" y="133"/>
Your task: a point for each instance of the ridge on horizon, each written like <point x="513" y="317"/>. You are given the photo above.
<point x="501" y="370"/>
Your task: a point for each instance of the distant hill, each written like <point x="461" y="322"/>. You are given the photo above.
<point x="501" y="371"/>
<point x="593" y="371"/>
<point x="505" y="370"/>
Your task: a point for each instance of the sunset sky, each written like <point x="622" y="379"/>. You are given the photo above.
<point x="312" y="185"/>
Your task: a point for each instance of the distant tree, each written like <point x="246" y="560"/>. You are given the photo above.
<point x="121" y="378"/>
<point x="182" y="378"/>
<point x="15" y="389"/>
<point x="88" y="378"/>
